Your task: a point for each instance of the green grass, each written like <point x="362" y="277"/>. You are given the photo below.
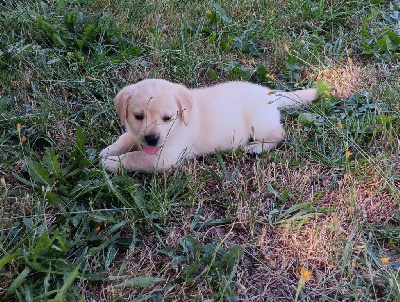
<point x="223" y="227"/>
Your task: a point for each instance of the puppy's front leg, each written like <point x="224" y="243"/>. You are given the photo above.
<point x="125" y="142"/>
<point x="137" y="160"/>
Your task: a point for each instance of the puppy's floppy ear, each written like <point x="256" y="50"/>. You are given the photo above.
<point x="121" y="104"/>
<point x="185" y="104"/>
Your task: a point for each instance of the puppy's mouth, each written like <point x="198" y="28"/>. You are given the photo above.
<point x="150" y="150"/>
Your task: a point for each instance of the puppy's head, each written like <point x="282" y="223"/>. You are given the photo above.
<point x="152" y="109"/>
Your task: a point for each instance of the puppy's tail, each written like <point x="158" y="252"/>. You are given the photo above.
<point x="294" y="98"/>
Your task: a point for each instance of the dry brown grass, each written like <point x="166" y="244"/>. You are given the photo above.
<point x="354" y="76"/>
<point x="274" y="253"/>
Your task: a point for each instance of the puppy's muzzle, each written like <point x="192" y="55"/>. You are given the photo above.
<point x="151" y="139"/>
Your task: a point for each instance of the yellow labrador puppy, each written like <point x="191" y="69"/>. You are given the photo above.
<point x="167" y="122"/>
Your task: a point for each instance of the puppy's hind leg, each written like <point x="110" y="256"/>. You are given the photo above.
<point x="266" y="142"/>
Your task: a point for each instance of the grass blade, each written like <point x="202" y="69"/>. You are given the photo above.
<point x="8" y="258"/>
<point x="114" y="190"/>
<point x="18" y="281"/>
<point x="140" y="282"/>
<point x="68" y="281"/>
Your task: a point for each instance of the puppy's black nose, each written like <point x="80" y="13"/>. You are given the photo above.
<point x="151" y="139"/>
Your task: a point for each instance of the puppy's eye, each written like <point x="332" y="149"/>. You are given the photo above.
<point x="139" y="117"/>
<point x="166" y="118"/>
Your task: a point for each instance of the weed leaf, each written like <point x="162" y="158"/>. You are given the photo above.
<point x="111" y="253"/>
<point x="116" y="227"/>
<point x="213" y="74"/>
<point x="221" y="12"/>
<point x="57" y="40"/>
<point x="140" y="282"/>
<point x="323" y="88"/>
<point x="309" y="118"/>
<point x="38" y="173"/>
<point x="394" y="37"/>
<point x="232" y="255"/>
<point x="50" y="160"/>
<point x="24" y="181"/>
<point x="293" y="209"/>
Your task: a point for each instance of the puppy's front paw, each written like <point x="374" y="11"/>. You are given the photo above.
<point x="105" y="152"/>
<point x="109" y="151"/>
<point x="111" y="163"/>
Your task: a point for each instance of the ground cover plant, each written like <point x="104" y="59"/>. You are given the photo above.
<point x="316" y="219"/>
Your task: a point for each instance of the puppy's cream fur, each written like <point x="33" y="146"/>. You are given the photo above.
<point x="167" y="122"/>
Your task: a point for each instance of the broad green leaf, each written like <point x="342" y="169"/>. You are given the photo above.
<point x="50" y="160"/>
<point x="261" y="72"/>
<point x="395" y="38"/>
<point x="79" y="43"/>
<point x="285" y="195"/>
<point x="71" y="169"/>
<point x="271" y="189"/>
<point x="78" y="152"/>
<point x="116" y="227"/>
<point x="85" y="186"/>
<point x="231" y="256"/>
<point x="81" y="137"/>
<point x="28" y="222"/>
<point x="221" y="12"/>
<point x="45" y="295"/>
<point x="54" y="200"/>
<point x="24" y="48"/>
<point x="309" y="118"/>
<point x="62" y="242"/>
<point x="364" y="35"/>
<point x="58" y="40"/>
<point x="386" y="120"/>
<point x="212" y="38"/>
<point x="88" y="31"/>
<point x="385" y="43"/>
<point x="323" y="88"/>
<point x="111" y="253"/>
<point x="213" y="74"/>
<point x="38" y="173"/>
<point x="225" y="44"/>
<point x="24" y="181"/>
<point x="104" y="244"/>
<point x="80" y="17"/>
